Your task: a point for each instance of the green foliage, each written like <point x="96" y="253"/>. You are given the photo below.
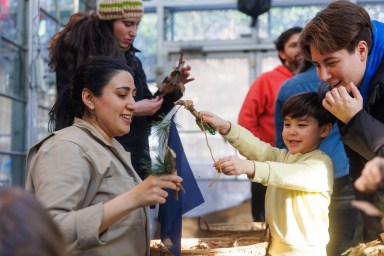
<point x="161" y="165"/>
<point x="161" y="130"/>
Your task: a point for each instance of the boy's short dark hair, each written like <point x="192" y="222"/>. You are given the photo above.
<point x="308" y="104"/>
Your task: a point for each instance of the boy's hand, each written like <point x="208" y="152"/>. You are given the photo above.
<point x="217" y="123"/>
<point x="231" y="165"/>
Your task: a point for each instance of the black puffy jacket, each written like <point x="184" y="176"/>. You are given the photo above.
<point x="363" y="136"/>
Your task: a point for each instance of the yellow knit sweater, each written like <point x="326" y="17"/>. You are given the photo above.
<point x="298" y="195"/>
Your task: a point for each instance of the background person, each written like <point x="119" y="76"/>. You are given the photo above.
<point x="347" y="49"/>
<point x="256" y="114"/>
<point x="25" y="227"/>
<point x="84" y="177"/>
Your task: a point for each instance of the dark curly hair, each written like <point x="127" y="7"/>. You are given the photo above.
<point x="84" y="35"/>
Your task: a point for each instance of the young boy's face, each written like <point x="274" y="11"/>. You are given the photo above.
<point x="303" y="135"/>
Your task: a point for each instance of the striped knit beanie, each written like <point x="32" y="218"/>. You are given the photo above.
<point x="120" y="9"/>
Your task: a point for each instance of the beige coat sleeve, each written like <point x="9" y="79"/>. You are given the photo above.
<point x="65" y="181"/>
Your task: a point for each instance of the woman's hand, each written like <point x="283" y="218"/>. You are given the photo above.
<point x="342" y="105"/>
<point x="217" y="123"/>
<point x="176" y="80"/>
<point x="149" y="192"/>
<point x="148" y="107"/>
<point x="152" y="190"/>
<point x="185" y="73"/>
<point x="231" y="165"/>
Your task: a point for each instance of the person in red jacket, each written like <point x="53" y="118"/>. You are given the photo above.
<point x="257" y="111"/>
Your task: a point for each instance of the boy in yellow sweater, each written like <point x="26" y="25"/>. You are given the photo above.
<point x="299" y="180"/>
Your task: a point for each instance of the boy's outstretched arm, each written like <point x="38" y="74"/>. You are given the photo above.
<point x="232" y="165"/>
<point x="217" y="123"/>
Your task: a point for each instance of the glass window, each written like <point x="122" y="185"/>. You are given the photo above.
<point x="67" y="8"/>
<point x="206" y="25"/>
<point x="5" y="124"/>
<point x="11" y="77"/>
<point x="271" y="25"/>
<point x="6" y="72"/>
<point x="146" y="42"/>
<point x="12" y="87"/>
<point x="5" y="170"/>
<point x="49" y="6"/>
<point x="12" y="20"/>
<point x="47" y="28"/>
<point x="45" y="79"/>
<point x="375" y="11"/>
<point x="8" y="166"/>
<point x="12" y="125"/>
<point x="42" y="121"/>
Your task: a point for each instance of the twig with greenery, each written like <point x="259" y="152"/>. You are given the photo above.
<point x="166" y="164"/>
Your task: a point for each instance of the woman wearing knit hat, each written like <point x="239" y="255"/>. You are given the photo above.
<point x="111" y="31"/>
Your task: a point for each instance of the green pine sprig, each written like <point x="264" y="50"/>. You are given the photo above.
<point x="160" y="165"/>
<point x="161" y="130"/>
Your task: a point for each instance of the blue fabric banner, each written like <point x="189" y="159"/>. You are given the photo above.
<point x="170" y="213"/>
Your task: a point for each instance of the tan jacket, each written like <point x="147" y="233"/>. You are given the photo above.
<point x="73" y="172"/>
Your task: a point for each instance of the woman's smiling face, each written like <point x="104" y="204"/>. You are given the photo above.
<point x="341" y="67"/>
<point x="114" y="109"/>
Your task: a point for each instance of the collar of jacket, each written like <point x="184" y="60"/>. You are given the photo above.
<point x="131" y="49"/>
<point x="91" y="130"/>
<point x="285" y="70"/>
